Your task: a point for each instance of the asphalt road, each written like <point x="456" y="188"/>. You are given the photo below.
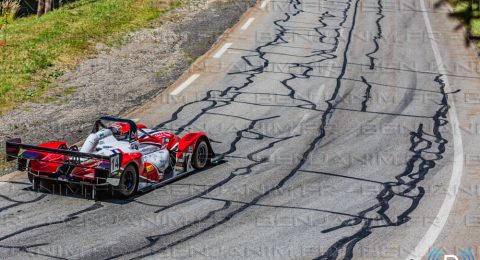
<point x="347" y="130"/>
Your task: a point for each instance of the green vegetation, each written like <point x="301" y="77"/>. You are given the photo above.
<point x="40" y="48"/>
<point x="468" y="12"/>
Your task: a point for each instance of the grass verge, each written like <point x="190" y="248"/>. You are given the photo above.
<point x="40" y="49"/>
<point x="470" y="17"/>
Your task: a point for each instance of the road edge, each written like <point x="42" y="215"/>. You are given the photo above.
<point x="199" y="64"/>
<point x="440" y="220"/>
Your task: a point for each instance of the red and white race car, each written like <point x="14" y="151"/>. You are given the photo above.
<point x="118" y="153"/>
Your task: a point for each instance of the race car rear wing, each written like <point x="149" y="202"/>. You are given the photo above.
<point x="16" y="150"/>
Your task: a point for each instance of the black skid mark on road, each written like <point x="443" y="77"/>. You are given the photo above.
<point x="19" y="203"/>
<point x="406" y="185"/>
<point x="327" y="54"/>
<point x="240" y="133"/>
<point x="324" y="119"/>
<point x="284" y="207"/>
<point x="248" y="169"/>
<point x="207" y="98"/>
<point x="249" y="80"/>
<point x="95" y="206"/>
<point x="367" y="94"/>
<point x="69" y="218"/>
<point x="251" y="74"/>
<point x="307" y="104"/>
<point x="27" y="249"/>
<point x="232" y="92"/>
<point x="154" y="239"/>
<point x="23" y="246"/>
<point x="233" y="148"/>
<point x="332" y="102"/>
<point x="145" y="203"/>
<point x="210" y="214"/>
<point x="378" y="36"/>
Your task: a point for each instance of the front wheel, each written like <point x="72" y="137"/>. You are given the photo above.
<point x="200" y="155"/>
<point x="128" y="182"/>
<point x="169" y="171"/>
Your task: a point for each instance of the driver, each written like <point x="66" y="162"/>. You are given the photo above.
<point x="92" y="140"/>
<point x="120" y="131"/>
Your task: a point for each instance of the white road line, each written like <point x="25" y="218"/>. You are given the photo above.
<point x="222" y="50"/>
<point x="264" y="3"/>
<point x="247" y="24"/>
<point x="441" y="219"/>
<point x="185" y="84"/>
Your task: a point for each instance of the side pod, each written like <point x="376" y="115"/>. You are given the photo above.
<point x="187" y="143"/>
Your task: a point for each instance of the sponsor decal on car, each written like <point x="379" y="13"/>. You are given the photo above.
<point x="150" y="168"/>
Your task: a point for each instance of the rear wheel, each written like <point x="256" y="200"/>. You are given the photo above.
<point x="128" y="182"/>
<point x="34" y="181"/>
<point x="30" y="177"/>
<point x="200" y="155"/>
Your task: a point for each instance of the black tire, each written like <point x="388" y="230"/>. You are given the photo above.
<point x="30" y="177"/>
<point x="200" y="155"/>
<point x="34" y="181"/>
<point x="171" y="167"/>
<point x="128" y="182"/>
<point x="172" y="160"/>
